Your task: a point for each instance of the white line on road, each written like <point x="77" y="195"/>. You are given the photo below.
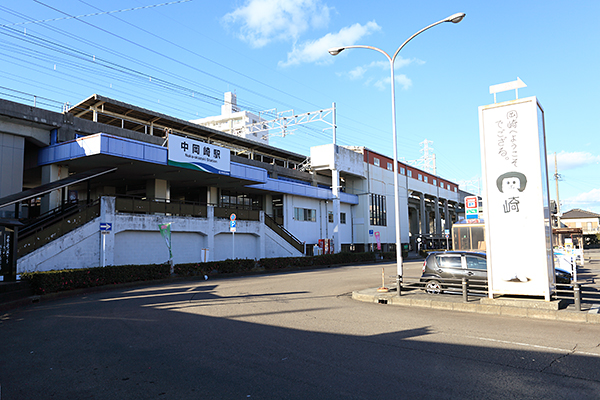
<point x="535" y="346"/>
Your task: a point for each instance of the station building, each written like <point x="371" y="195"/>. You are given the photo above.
<point x="90" y="187"/>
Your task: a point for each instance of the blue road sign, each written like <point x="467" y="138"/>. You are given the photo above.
<point x="105" y="226"/>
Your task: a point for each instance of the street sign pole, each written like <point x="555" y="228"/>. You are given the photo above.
<point x="232" y="228"/>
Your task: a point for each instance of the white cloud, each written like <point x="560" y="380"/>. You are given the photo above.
<point x="588" y="200"/>
<point x="263" y="21"/>
<point x="401" y="80"/>
<point x="316" y="50"/>
<point x="571" y="160"/>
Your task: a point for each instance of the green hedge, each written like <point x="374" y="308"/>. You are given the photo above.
<point x="56" y="281"/>
<point x="68" y="279"/>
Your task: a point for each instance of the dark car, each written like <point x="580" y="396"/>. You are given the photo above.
<point x="455" y="265"/>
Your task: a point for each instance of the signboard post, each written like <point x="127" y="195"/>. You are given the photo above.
<point x="516" y="198"/>
<point x="105" y="229"/>
<point x="232" y="229"/>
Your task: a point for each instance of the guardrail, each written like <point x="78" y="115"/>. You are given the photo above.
<point x="132" y="204"/>
<point x="579" y="293"/>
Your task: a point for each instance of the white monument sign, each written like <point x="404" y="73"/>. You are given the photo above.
<point x="516" y="198"/>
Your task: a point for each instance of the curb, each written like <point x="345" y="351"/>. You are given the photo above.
<point x="542" y="310"/>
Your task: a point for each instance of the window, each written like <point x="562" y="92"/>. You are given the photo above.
<point x="377" y="210"/>
<point x="450" y="262"/>
<point x="305" y="214"/>
<point x="389" y="166"/>
<point x="342" y="218"/>
<point x="425" y="178"/>
<point x="376" y="162"/>
<point x="442" y="185"/>
<point x="243" y="201"/>
<point x="476" y="263"/>
<point x="409" y="173"/>
<point x="420" y="177"/>
<point x="435" y="182"/>
<point x="402" y="170"/>
<point x="330" y="216"/>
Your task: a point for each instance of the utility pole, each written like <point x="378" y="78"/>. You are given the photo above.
<point x="556" y="176"/>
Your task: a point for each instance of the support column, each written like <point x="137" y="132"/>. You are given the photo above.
<point x="423" y="214"/>
<point x="447" y="222"/>
<point x="210" y="240"/>
<point x="438" y="221"/>
<point x="52" y="173"/>
<point x="158" y="189"/>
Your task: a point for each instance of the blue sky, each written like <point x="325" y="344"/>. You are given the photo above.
<point x="179" y="58"/>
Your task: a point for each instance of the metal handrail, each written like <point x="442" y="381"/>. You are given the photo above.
<point x="284" y="233"/>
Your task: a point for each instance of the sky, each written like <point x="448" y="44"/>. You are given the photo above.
<point x="180" y="57"/>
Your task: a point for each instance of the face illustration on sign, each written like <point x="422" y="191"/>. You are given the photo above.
<point x="511" y="183"/>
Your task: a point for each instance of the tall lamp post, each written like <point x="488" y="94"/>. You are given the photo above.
<point x="455" y="18"/>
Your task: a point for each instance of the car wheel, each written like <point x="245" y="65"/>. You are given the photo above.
<point x="433" y="287"/>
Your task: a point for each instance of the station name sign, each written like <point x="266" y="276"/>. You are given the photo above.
<point x="194" y="154"/>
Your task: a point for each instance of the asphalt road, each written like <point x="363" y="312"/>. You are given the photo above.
<point x="285" y="336"/>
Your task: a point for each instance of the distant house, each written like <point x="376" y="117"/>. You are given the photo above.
<point x="586" y="220"/>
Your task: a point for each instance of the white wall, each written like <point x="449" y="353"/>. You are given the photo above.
<point x="136" y="239"/>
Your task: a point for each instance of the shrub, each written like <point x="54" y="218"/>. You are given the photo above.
<point x="69" y="279"/>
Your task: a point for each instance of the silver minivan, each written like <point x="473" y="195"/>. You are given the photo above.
<point x="450" y="266"/>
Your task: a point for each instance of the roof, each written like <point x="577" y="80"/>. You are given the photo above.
<point x="116" y="113"/>
<point x="579" y="213"/>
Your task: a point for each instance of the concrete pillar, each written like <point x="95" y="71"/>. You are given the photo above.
<point x="447" y="222"/>
<point x="210" y="238"/>
<point x="12" y="150"/>
<point x="52" y="173"/>
<point x="268" y="204"/>
<point x="158" y="189"/>
<point x="423" y="214"/>
<point x="262" y="236"/>
<point x="107" y="240"/>
<point x="335" y="188"/>
<point x="438" y="221"/>
<point x="212" y="196"/>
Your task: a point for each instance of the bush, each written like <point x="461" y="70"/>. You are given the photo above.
<point x="221" y="267"/>
<point x="69" y="279"/>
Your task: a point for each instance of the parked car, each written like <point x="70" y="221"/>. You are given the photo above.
<point x="455" y="265"/>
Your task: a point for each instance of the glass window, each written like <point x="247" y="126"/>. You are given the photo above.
<point x="449" y="262"/>
<point x="435" y="181"/>
<point x="305" y="214"/>
<point x="377" y="210"/>
<point x="409" y="173"/>
<point x="420" y="177"/>
<point x="476" y="263"/>
<point x="342" y="218"/>
<point x="389" y="166"/>
<point x="402" y="170"/>
<point x="376" y="162"/>
<point x="330" y="216"/>
<point x="425" y="178"/>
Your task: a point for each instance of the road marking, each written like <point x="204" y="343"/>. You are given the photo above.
<point x="535" y="346"/>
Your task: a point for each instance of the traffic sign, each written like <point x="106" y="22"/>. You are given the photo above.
<point x="105" y="226"/>
<point x="232" y="225"/>
<point x="232" y="217"/>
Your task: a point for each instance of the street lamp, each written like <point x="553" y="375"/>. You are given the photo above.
<point x="454" y="18"/>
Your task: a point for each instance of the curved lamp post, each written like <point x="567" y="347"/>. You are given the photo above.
<point x="454" y="18"/>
